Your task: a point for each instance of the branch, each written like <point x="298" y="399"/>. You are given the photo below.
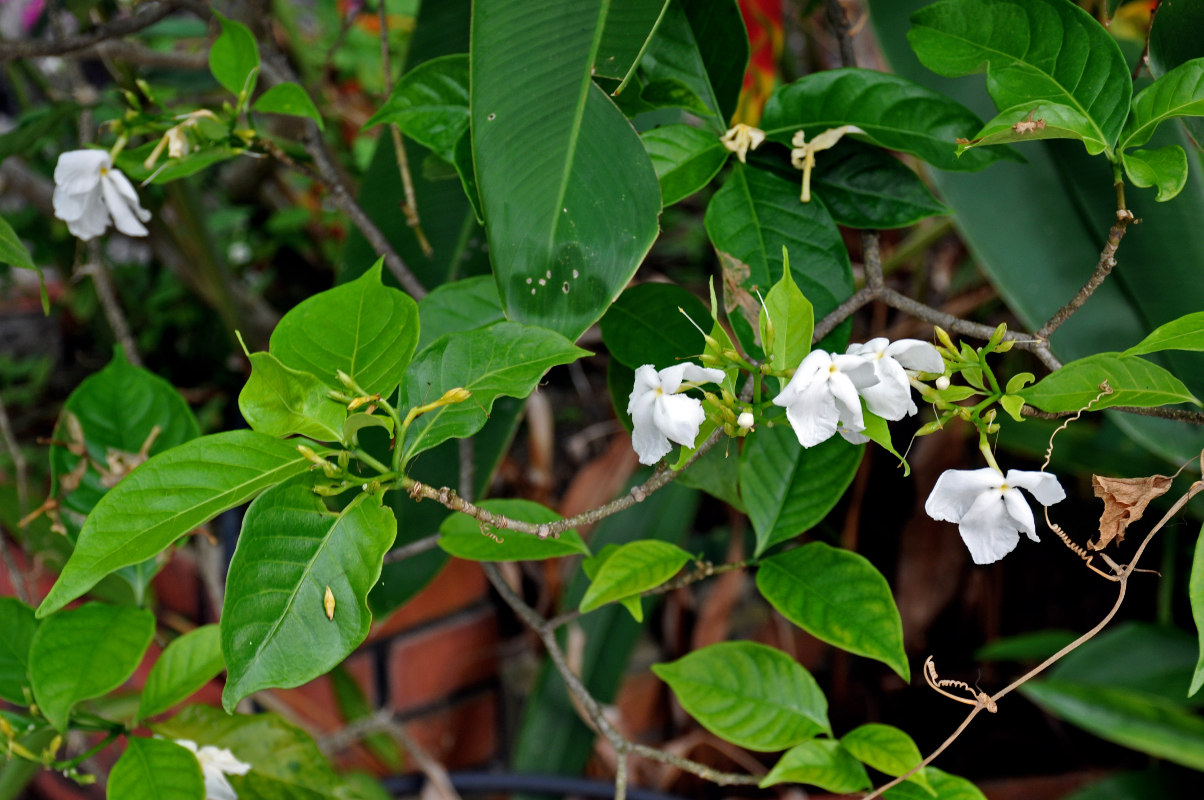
<point x="384" y="722"/>
<point x="1107" y="260"/>
<point x="146" y="15"/>
<point x="109" y="304"/>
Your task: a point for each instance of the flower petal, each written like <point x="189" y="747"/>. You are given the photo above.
<point x="79" y="170"/>
<point x="670" y="378"/>
<point x="813" y="415"/>
<point x="860" y="369"/>
<point x="93" y="219"/>
<point x="697" y="374"/>
<point x="890" y="397"/>
<point x="817" y="361"/>
<point x="957" y="489"/>
<point x="848" y="404"/>
<point x="126" y="190"/>
<point x="916" y="354"/>
<point x="124" y="217"/>
<point x="1042" y="485"/>
<point x="987" y="530"/>
<point x="649" y="443"/>
<point x="1021" y="514"/>
<point x="678" y="417"/>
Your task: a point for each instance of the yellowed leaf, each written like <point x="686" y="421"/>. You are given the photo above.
<point x="1125" y="500"/>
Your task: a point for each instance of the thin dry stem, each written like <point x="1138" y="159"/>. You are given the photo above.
<point x="1103" y="268"/>
<point x="146" y="15"/>
<point x="102" y="280"/>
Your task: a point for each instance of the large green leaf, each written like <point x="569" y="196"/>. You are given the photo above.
<point x="788" y="489"/>
<point x="17" y="626"/>
<point x="168" y="496"/>
<point x="748" y="694"/>
<point x="430" y="104"/>
<point x="279" y="401"/>
<point x="568" y="229"/>
<point x="234" y="58"/>
<point x="1195" y="590"/>
<point x="117" y="410"/>
<point x="363" y="328"/>
<point x="462" y="305"/>
<point x="156" y="769"/>
<point x="1132" y="719"/>
<point x="865" y="187"/>
<point x="756" y="214"/>
<point x="820" y="762"/>
<point x="83" y="653"/>
<point x="1174" y="40"/>
<point x="1178" y="93"/>
<point x="1184" y="333"/>
<point x="644" y="326"/>
<point x="886" y="749"/>
<point x="465" y="537"/>
<point x="285" y="762"/>
<point x="629" y="24"/>
<point x="12" y="251"/>
<point x="893" y="112"/>
<point x="685" y="159"/>
<point x="503" y="359"/>
<point x="1138" y="656"/>
<point x="1164" y="169"/>
<point x="1134" y="382"/>
<point x="1031" y="50"/>
<point x="292" y="556"/>
<point x="187" y="664"/>
<point x="633" y="568"/>
<point x="837" y="596"/>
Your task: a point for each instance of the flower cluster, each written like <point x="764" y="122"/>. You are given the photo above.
<point x="89" y="192"/>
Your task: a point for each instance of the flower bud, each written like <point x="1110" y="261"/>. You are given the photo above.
<point x="745" y="420"/>
<point x="711" y="360"/>
<point x="997" y="336"/>
<point x="456" y="395"/>
<point x="344" y="379"/>
<point x="944" y="339"/>
<point x="942" y="383"/>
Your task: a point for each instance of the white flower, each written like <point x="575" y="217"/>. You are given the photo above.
<point x="989" y="509"/>
<point x="822" y="396"/>
<point x="659" y="414"/>
<point x="802" y="156"/>
<point x="746" y="420"/>
<point x="88" y="190"/>
<point x="890" y="397"/>
<point x="741" y="138"/>
<point x="216" y="763"/>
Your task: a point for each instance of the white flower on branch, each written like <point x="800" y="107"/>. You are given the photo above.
<point x="821" y="398"/>
<point x="741" y="138"/>
<point x="216" y="763"/>
<point x="989" y="509"/>
<point x="660" y="414"/>
<point x="89" y="191"/>
<point x="890" y="397"/>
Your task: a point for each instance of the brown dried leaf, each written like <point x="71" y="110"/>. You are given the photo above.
<point x="1125" y="500"/>
<point x="735" y="273"/>
<point x="1028" y="124"/>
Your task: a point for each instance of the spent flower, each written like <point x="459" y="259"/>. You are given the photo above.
<point x="741" y="138"/>
<point x="802" y="156"/>
<point x="660" y="413"/>
<point x="989" y="509"/>
<point x="89" y="192"/>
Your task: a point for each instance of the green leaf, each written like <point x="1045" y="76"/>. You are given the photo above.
<point x="357" y="422"/>
<point x="946" y="787"/>
<point x="1164" y="168"/>
<point x="187" y="664"/>
<point x="430" y="104"/>
<point x="592" y="565"/>
<point x="503" y="359"/>
<point x="788" y="489"/>
<point x="12" y="251"/>
<point x="84" y="653"/>
<point x="459" y="306"/>
<point x="285" y="762"/>
<point x="131" y="162"/>
<point x="156" y="769"/>
<point x="878" y="432"/>
<point x="168" y="496"/>
<point x="1134" y="382"/>
<point x="819" y="762"/>
<point x="838" y="596"/>
<point x="1035" y="646"/>
<point x="275" y="629"/>
<point x="279" y="401"/>
<point x="41" y="120"/>
<point x="629" y="24"/>
<point x="17" y="626"/>
<point x="568" y="229"/>
<point x="1031" y="51"/>
<point x="1184" y="333"/>
<point x="1138" y="656"/>
<point x="1035" y="120"/>
<point x="633" y="568"/>
<point x="644" y="326"/>
<point x="118" y="410"/>
<point x="748" y="694"/>
<point x="363" y="328"/>
<point x="756" y="214"/>
<point x="291" y="99"/>
<point x="1195" y="590"/>
<point x="1133" y="719"/>
<point x="792" y="318"/>
<point x="866" y="187"/>
<point x="465" y="537"/>
<point x="234" y="58"/>
<point x="893" y="112"/>
<point x="886" y="749"/>
<point x="685" y="159"/>
<point x="1173" y="41"/>
<point x="1178" y="93"/>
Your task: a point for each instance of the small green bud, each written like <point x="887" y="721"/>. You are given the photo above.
<point x="997" y="336"/>
<point x="1006" y="345"/>
<point x="456" y="395"/>
<point x="929" y="427"/>
<point x="711" y="360"/>
<point x="944" y="339"/>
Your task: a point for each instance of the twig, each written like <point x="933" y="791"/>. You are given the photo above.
<point x="839" y="23"/>
<point x="109" y="304"/>
<point x="384" y="722"/>
<point x="412" y="549"/>
<point x="142" y="56"/>
<point x="146" y="15"/>
<point x="1107" y="260"/>
<point x="410" y="207"/>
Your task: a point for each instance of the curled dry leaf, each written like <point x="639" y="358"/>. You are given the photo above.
<point x="1028" y="124"/>
<point x="1125" y="500"/>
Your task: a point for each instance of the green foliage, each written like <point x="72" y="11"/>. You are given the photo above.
<point x="886" y="749"/>
<point x="278" y="629"/>
<point x="837" y="596"/>
<point x="633" y="568"/>
<point x="1195" y="591"/>
<point x="1173" y="41"/>
<point x="156" y="769"/>
<point x="629" y="24"/>
<point x="945" y="786"/>
<point x="462" y="305"/>
<point x="279" y="401"/>
<point x="748" y="694"/>
<point x="788" y="489"/>
<point x="1134" y="382"/>
<point x="1178" y="93"/>
<point x="168" y="496"/>
<point x="1184" y="333"/>
<point x="430" y="105"/>
<point x="820" y="762"/>
<point x="83" y="653"/>
<point x="290" y="99"/>
<point x="787" y="321"/>
<point x="644" y="326"/>
<point x="685" y="159"/>
<point x="234" y="58"/>
<point x="464" y="537"/>
<point x="566" y="230"/>
<point x="866" y="187"/>
<point x="17" y="626"/>
<point x="1164" y="169"/>
<point x="187" y="664"/>
<point x="12" y="251"/>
